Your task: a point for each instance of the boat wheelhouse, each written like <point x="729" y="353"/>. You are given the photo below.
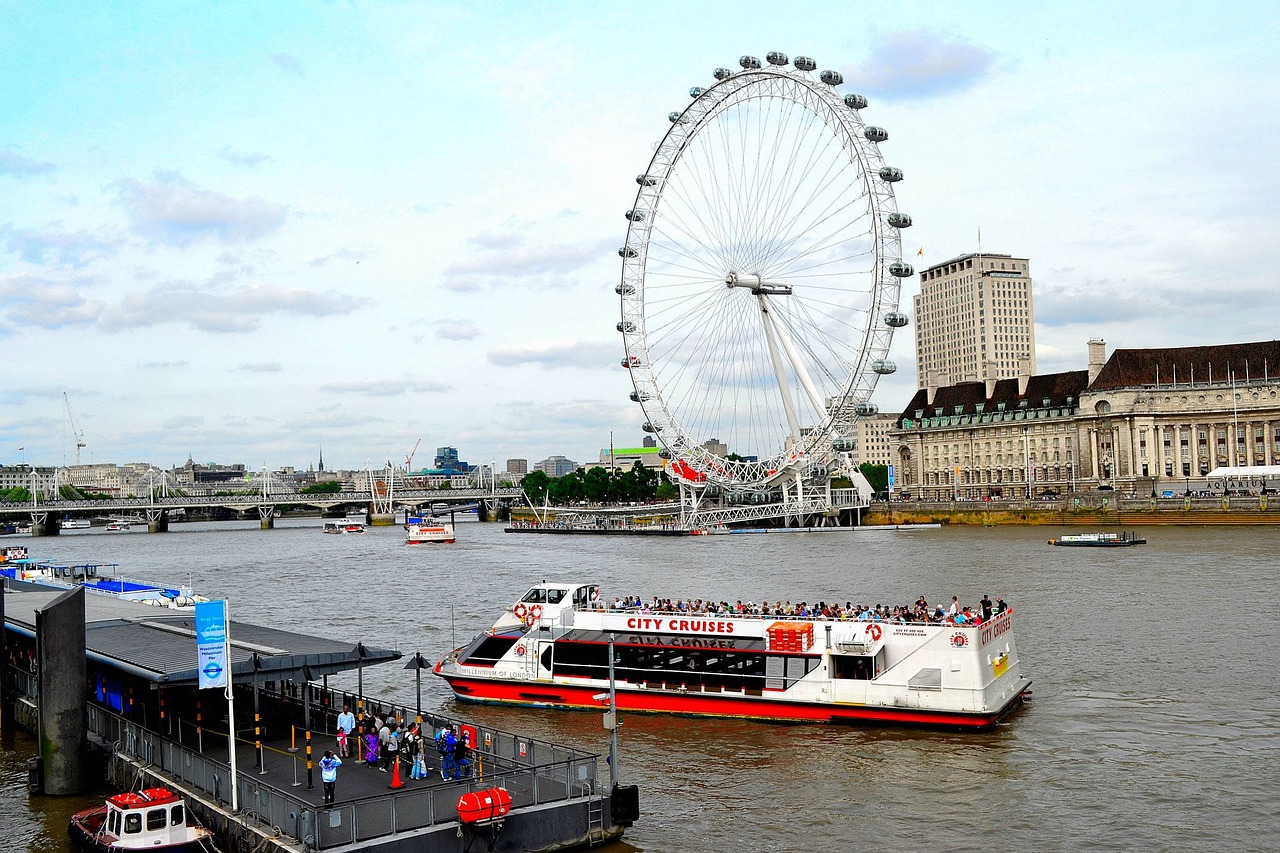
<point x="152" y="819"/>
<point x="551" y="649"/>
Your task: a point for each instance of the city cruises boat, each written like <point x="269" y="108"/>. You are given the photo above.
<point x="426" y="531"/>
<point x="551" y="649"/>
<point x="152" y="819"/>
<point x="117" y="526"/>
<point x="1098" y="540"/>
<point x="74" y="524"/>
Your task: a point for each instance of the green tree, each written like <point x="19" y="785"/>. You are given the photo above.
<point x="597" y="485"/>
<point x="329" y="487"/>
<point x="666" y="491"/>
<point x="535" y="485"/>
<point x="877" y="476"/>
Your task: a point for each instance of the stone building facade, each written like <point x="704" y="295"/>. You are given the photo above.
<point x="1144" y="421"/>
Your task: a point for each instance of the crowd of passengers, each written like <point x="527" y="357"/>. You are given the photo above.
<point x="955" y="614"/>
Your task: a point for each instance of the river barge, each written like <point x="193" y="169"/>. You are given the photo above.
<point x="550" y="649"/>
<point x="1098" y="540"/>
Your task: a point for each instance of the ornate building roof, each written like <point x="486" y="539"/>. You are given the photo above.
<point x="1058" y="389"/>
<point x="1134" y="368"/>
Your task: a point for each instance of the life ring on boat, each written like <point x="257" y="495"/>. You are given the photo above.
<point x="520" y="650"/>
<point x="874" y="631"/>
<point x="520" y="610"/>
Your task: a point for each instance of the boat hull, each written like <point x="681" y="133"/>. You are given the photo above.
<point x="733" y="705"/>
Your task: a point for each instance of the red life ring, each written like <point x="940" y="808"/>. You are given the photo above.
<point x="874" y="631"/>
<point x="520" y="649"/>
<point x="520" y="610"/>
<point x="535" y="612"/>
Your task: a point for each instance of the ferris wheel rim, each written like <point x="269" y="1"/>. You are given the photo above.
<point x="874" y="345"/>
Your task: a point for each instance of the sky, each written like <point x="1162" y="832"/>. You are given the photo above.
<point x="243" y="232"/>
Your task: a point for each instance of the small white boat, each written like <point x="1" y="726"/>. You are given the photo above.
<point x="117" y="526"/>
<point x="152" y="819"/>
<point x="74" y="524"/>
<point x="427" y="531"/>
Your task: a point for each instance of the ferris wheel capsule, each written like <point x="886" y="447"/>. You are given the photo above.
<point x="626" y="327"/>
<point x="855" y="102"/>
<point x="866" y="409"/>
<point x="895" y="319"/>
<point x="748" y="63"/>
<point x="624" y="289"/>
<point x="884" y="366"/>
<point x="901" y="269"/>
<point x="638" y="396"/>
<point x="775" y="57"/>
<point x="876" y="134"/>
<point x="649" y="426"/>
<point x="843" y="445"/>
<point x="723" y="73"/>
<point x="627" y="252"/>
<point x="831" y="78"/>
<point x="804" y="63"/>
<point x="646" y="180"/>
<point x="899" y="220"/>
<point x="695" y="91"/>
<point x="638" y="216"/>
<point x="890" y="174"/>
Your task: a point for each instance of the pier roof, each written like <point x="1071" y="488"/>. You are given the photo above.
<point x="159" y="645"/>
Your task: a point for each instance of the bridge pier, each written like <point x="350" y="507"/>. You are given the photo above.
<point x="44" y="524"/>
<point x="157" y="521"/>
<point x="267" y="517"/>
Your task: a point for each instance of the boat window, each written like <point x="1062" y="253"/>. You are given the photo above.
<point x="113" y="822"/>
<point x="132" y="823"/>
<point x="176" y="817"/>
<point x="555" y="596"/>
<point x="157" y="819"/>
<point x="537" y="595"/>
<point x="856" y="667"/>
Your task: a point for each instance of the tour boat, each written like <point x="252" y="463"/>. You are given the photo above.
<point x="74" y="524"/>
<point x="551" y="649"/>
<point x="424" y="531"/>
<point x="152" y="819"/>
<point x="99" y="579"/>
<point x="343" y="527"/>
<point x="1098" y="540"/>
<point x="117" y="526"/>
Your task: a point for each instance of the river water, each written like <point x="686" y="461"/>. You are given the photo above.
<point x="1155" y="722"/>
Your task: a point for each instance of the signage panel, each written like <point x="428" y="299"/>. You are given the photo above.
<point x="211" y="643"/>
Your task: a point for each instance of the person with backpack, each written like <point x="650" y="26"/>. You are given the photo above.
<point x="449" y="765"/>
<point x="462" y="757"/>
<point x="329" y="774"/>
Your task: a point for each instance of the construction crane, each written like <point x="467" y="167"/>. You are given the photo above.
<point x="408" y="460"/>
<point x="76" y="431"/>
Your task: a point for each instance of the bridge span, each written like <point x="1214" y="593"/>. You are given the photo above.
<point x="46" y="514"/>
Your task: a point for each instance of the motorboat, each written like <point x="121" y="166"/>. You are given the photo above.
<point x="151" y="819"/>
<point x="1098" y="540"/>
<point x="345" y="526"/>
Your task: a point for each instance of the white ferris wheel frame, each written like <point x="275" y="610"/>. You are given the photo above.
<point x="815" y="446"/>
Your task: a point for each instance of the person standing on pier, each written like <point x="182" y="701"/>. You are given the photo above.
<point x="329" y="774"/>
<point x="346" y="725"/>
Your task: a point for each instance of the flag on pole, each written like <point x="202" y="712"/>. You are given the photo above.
<point x="921" y="252"/>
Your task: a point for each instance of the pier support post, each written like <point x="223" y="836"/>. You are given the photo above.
<point x="60" y="642"/>
<point x="44" y="524"/>
<point x="157" y="521"/>
<point x="267" y="517"/>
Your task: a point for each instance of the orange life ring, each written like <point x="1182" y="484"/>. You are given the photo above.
<point x="520" y="610"/>
<point x="874" y="631"/>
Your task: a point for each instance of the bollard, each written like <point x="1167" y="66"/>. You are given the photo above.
<point x="311" y="783"/>
<point x="293" y="738"/>
<point x="295" y="783"/>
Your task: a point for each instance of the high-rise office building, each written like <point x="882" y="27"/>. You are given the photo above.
<point x="974" y="320"/>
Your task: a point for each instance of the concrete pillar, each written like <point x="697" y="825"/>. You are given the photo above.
<point x="267" y="522"/>
<point x="60" y="641"/>
<point x="157" y="522"/>
<point x="382" y="519"/>
<point x="44" y="524"/>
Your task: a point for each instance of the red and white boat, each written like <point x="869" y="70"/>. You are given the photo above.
<point x="550" y="649"/>
<point x="426" y="531"/>
<point x="153" y="819"/>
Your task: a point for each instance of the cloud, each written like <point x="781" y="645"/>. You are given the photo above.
<point x="385" y="387"/>
<point x="555" y="353"/>
<point x="261" y="367"/>
<point x="252" y="159"/>
<point x="348" y="255"/>
<point x="75" y="250"/>
<point x="183" y="422"/>
<point x="287" y="62"/>
<point x="162" y="365"/>
<point x="211" y="310"/>
<point x="173" y="211"/>
<point x="13" y="163"/>
<point x="27" y="301"/>
<point x="588" y="415"/>
<point x="457" y="330"/>
<point x="336" y="420"/>
<point x="506" y="260"/>
<point x="920" y="64"/>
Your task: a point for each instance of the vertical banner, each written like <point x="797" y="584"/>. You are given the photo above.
<point x="890" y="482"/>
<point x="211" y="643"/>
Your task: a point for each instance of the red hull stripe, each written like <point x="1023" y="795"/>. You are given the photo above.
<point x="714" y="705"/>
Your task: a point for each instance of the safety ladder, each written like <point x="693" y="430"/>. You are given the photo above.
<point x="595" y="819"/>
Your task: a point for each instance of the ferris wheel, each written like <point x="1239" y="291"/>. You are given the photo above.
<point x="760" y="278"/>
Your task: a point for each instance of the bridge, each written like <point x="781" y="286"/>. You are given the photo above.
<point x="45" y="513"/>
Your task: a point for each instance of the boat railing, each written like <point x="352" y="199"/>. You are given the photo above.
<point x="789" y="617"/>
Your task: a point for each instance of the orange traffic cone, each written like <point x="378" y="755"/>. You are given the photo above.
<point x="395" y="774"/>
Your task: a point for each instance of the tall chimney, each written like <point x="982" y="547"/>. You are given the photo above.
<point x="931" y="385"/>
<point x="1024" y="374"/>
<point x="992" y="378"/>
<point x="1097" y="357"/>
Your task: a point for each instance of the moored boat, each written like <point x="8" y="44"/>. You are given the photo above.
<point x="99" y="579"/>
<point x="117" y="526"/>
<point x="1098" y="540"/>
<point x="551" y="649"/>
<point x="346" y="526"/>
<point x="152" y="819"/>
<point x="426" y="531"/>
<point x="74" y="524"/>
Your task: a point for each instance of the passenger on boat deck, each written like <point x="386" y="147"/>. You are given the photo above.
<point x="955" y="606"/>
<point x="1001" y="606"/>
<point x="986" y="607"/>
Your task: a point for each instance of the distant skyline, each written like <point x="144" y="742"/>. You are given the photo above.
<point x="241" y="231"/>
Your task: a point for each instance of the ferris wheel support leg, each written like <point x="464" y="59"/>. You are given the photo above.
<point x="775" y="357"/>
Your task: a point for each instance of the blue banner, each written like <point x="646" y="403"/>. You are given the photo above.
<point x="890" y="477"/>
<point x="211" y="643"/>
